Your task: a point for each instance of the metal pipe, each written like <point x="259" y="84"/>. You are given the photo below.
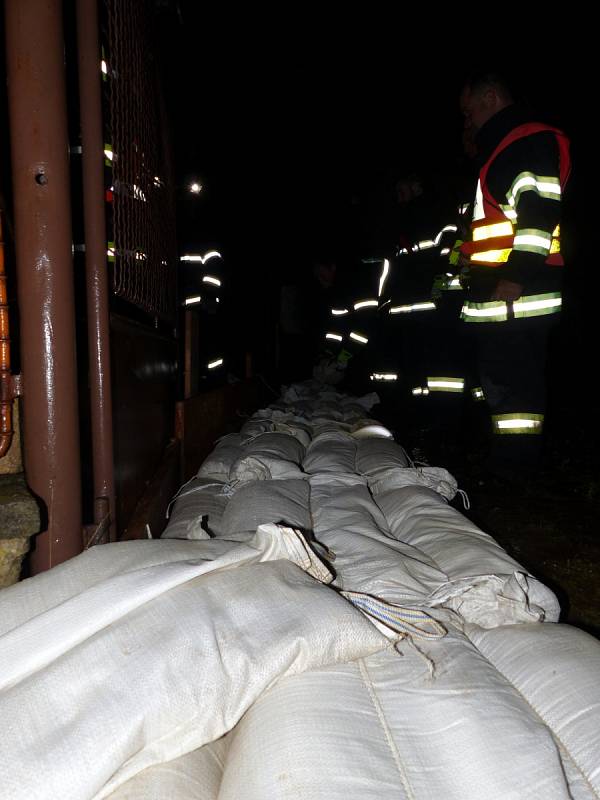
<point x="90" y="100"/>
<point x="40" y="169"/>
<point x="6" y="397"/>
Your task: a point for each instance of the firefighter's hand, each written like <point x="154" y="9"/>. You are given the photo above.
<point x="507" y="291"/>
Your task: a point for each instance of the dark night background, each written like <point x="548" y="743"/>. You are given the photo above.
<point x="299" y="128"/>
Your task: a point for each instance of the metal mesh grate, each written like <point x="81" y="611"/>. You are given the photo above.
<point x="143" y="220"/>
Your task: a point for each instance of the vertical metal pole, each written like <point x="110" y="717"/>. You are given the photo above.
<point x="90" y="100"/>
<point x="40" y="166"/>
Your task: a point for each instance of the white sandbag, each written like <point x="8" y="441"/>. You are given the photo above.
<point x="557" y="670"/>
<point x="328" y="410"/>
<point x="485" y="585"/>
<point x="374" y="456"/>
<point x="195" y="775"/>
<point x="366" y="402"/>
<point x="232" y="439"/>
<point x="436" y="478"/>
<point x="365" y="428"/>
<point x="260" y="502"/>
<point x="385" y="728"/>
<point x="34" y="596"/>
<point x="367" y="559"/>
<point x="153" y="664"/>
<point x="299" y="430"/>
<point x="352" y="412"/>
<point x="270" y="455"/>
<point x="218" y="464"/>
<point x="462" y="733"/>
<point x="317" y="736"/>
<point x="198" y="510"/>
<point x="254" y="427"/>
<point x="322" y="427"/>
<point x="333" y="452"/>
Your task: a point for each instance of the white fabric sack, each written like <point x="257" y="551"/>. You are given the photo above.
<point x="34" y="596"/>
<point x="317" y="736"/>
<point x="557" y="670"/>
<point x="254" y="427"/>
<point x="195" y="775"/>
<point x="366" y="402"/>
<point x="300" y="430"/>
<point x="232" y="439"/>
<point x="350" y="524"/>
<point x="198" y="510"/>
<point x="462" y="733"/>
<point x="485" y="585"/>
<point x="319" y="428"/>
<point x="331" y="452"/>
<point x="365" y="428"/>
<point x="152" y="664"/>
<point x="384" y="727"/>
<point x="375" y="456"/>
<point x="218" y="464"/>
<point x="260" y="502"/>
<point x="270" y="455"/>
<point x="436" y="478"/>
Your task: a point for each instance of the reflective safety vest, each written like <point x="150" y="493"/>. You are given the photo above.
<point x="495" y="226"/>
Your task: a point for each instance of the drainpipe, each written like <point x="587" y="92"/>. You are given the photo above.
<point x="43" y="241"/>
<point x="90" y="100"/>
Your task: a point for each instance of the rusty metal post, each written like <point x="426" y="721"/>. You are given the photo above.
<point x="40" y="167"/>
<point x="90" y="100"/>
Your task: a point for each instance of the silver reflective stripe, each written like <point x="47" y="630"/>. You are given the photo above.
<point x="445" y="229"/>
<point x="544" y="186"/>
<point x="484" y="312"/>
<point x="509" y="211"/>
<point x="384" y="274"/>
<point x="365" y="304"/>
<point x="532" y="240"/>
<point x="358" y="338"/>
<point x="213" y="364"/>
<point x="518" y="423"/>
<point x="337" y="312"/>
<point x="384" y="376"/>
<point x="427" y="306"/>
<point x="537" y="305"/>
<point x="533" y="305"/>
<point x="335" y="336"/>
<point x="445" y="384"/>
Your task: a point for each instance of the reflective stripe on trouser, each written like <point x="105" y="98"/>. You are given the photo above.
<point x="533" y="305"/>
<point x="445" y="384"/>
<point x="518" y="423"/>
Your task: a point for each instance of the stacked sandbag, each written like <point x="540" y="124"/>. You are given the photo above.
<point x="556" y="669"/>
<point x="195" y="775"/>
<point x="485" y="585"/>
<point x="260" y="502"/>
<point x="218" y="463"/>
<point x="198" y="510"/>
<point x="268" y="455"/>
<point x="332" y="452"/>
<point x="385" y="727"/>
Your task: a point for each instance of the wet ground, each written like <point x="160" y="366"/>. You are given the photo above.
<point x="553" y="529"/>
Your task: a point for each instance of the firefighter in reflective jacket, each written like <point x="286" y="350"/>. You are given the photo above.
<point x="513" y="294"/>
